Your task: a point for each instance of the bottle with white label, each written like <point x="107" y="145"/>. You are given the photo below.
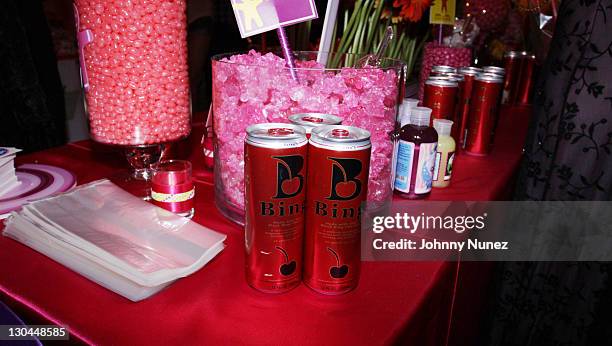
<point x="404" y="119"/>
<point x="416" y="156"/>
<point x="445" y="155"/>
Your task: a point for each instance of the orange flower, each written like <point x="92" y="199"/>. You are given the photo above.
<point x="412" y="9"/>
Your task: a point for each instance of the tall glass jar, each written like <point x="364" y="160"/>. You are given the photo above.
<point x="254" y="88"/>
<point x="133" y="57"/>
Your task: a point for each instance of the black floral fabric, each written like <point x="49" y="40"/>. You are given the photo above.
<point x="568" y="156"/>
<point x="32" y="108"/>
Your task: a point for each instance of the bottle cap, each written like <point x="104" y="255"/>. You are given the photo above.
<point x="405" y="109"/>
<point x="420" y="116"/>
<point x="443" y="126"/>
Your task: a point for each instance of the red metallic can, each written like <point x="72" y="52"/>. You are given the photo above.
<point x="441" y="69"/>
<point x="512" y="66"/>
<point x="469" y="73"/>
<point x="523" y="95"/>
<point x="339" y="163"/>
<point x="275" y="164"/>
<point x="441" y="96"/>
<point x="495" y="70"/>
<point x="460" y="79"/>
<point x="484" y="107"/>
<point x="311" y="120"/>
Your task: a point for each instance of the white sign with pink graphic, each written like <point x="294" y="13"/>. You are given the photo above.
<point x="257" y="16"/>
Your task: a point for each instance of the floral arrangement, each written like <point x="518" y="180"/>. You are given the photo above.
<point x="365" y="23"/>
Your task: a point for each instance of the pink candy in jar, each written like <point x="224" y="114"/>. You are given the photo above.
<point x="134" y="69"/>
<point x="436" y="54"/>
<point x="254" y="88"/>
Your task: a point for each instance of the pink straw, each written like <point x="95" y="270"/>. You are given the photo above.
<point x="282" y="37"/>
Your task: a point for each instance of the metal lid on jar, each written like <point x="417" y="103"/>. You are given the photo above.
<point x="455" y="76"/>
<point x="490" y="78"/>
<point x="348" y="137"/>
<point x="494" y="69"/>
<point x="445" y="82"/>
<point x="470" y="70"/>
<point x="311" y="120"/>
<point x="277" y="135"/>
<point x="443" y="68"/>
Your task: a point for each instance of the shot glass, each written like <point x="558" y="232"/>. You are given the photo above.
<point x="172" y="187"/>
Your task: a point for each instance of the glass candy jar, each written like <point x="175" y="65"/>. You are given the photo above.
<point x="254" y="88"/>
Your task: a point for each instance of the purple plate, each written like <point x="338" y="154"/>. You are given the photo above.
<point x="37" y="181"/>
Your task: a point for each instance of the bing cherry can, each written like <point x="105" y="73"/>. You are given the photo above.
<point x="495" y="70"/>
<point x="275" y="159"/>
<point x="525" y="84"/>
<point x="512" y="67"/>
<point x="484" y="113"/>
<point x="311" y="120"/>
<point x="469" y="73"/>
<point x="441" y="96"/>
<point x="442" y="69"/>
<point x="339" y="163"/>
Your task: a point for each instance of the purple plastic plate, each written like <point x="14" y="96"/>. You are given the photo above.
<point x="37" y="181"/>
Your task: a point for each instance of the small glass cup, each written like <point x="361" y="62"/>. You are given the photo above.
<point x="172" y="187"/>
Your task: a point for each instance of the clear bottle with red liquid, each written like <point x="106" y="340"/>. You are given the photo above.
<point x="416" y="156"/>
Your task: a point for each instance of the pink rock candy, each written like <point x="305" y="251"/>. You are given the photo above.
<point x="253" y="88"/>
<point x="137" y="69"/>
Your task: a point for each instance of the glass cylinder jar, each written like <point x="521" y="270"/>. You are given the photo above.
<point x="133" y="57"/>
<point x="440" y="55"/>
<point x="254" y="88"/>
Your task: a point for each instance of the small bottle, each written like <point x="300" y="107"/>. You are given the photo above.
<point x="416" y="156"/>
<point x="404" y="119"/>
<point x="445" y="154"/>
<point x="405" y="108"/>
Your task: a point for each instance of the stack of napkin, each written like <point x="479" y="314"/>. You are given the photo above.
<point x="8" y="179"/>
<point x="115" y="239"/>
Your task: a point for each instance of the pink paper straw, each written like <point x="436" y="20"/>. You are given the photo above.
<point x="282" y="37"/>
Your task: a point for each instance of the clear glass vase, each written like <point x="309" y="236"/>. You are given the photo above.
<point x="259" y="88"/>
<point x="133" y="58"/>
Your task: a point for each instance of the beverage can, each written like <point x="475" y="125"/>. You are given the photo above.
<point x="339" y="162"/>
<point x="275" y="191"/>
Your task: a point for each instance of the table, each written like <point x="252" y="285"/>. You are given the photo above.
<point x="424" y="303"/>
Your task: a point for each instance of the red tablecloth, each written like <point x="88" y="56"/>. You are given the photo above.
<point x="419" y="303"/>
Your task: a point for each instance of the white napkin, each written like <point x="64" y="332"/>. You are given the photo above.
<point x="8" y="179"/>
<point x="115" y="239"/>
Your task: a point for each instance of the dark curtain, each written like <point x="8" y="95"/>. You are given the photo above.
<point x="32" y="109"/>
<point x="567" y="157"/>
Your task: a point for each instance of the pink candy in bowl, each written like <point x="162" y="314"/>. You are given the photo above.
<point x="256" y="88"/>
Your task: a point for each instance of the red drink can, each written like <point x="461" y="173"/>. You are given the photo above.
<point x="460" y="79"/>
<point x="469" y="73"/>
<point x="482" y="120"/>
<point x="339" y="163"/>
<point x="275" y="163"/>
<point x="441" y="96"/>
<point x="523" y="89"/>
<point x="512" y="67"/>
<point x="441" y="69"/>
<point x="494" y="70"/>
<point x="311" y="120"/>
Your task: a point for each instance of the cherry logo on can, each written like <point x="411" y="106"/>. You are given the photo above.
<point x="345" y="185"/>
<point x="338" y="271"/>
<point x="289" y="183"/>
<point x="288" y="267"/>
